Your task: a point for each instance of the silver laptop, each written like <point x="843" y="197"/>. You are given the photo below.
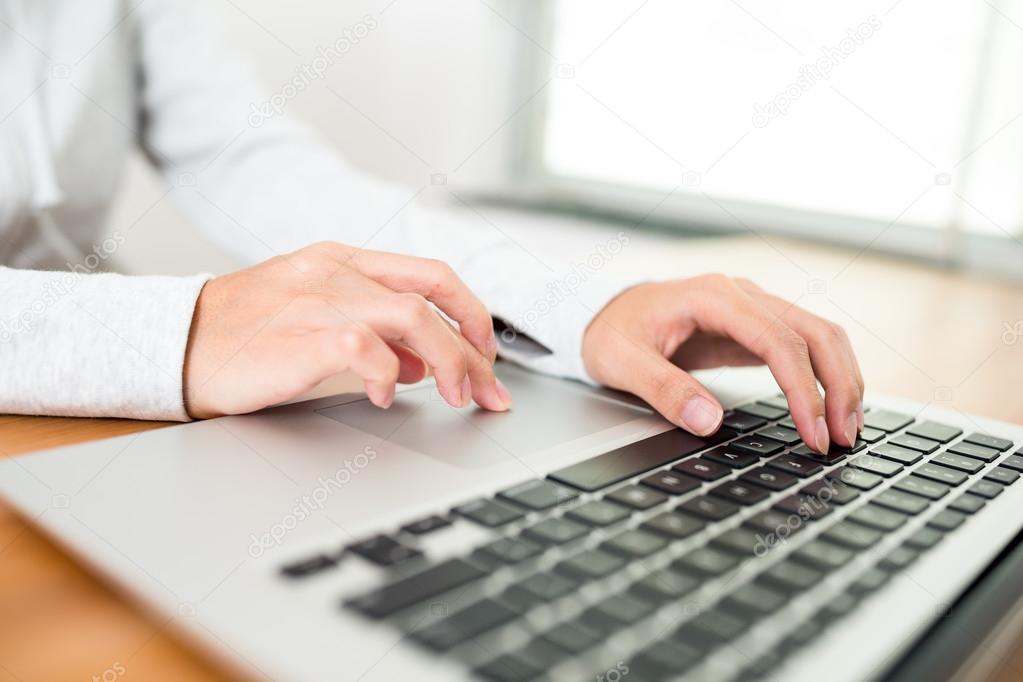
<point x="579" y="536"/>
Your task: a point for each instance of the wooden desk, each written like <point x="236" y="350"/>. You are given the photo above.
<point x="920" y="332"/>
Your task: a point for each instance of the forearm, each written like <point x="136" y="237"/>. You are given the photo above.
<point x="90" y="345"/>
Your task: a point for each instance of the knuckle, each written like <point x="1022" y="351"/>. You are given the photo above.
<point x="746" y="284"/>
<point x="665" y="389"/>
<point x="716" y="280"/>
<point x="353" y="341"/>
<point x="414" y="306"/>
<point x="793" y="345"/>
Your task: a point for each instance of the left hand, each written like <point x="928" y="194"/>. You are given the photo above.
<point x="644" y="340"/>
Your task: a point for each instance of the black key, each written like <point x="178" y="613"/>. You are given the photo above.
<point x="901" y="502"/>
<point x="772" y="479"/>
<point x="779" y="402"/>
<point x="797" y="466"/>
<point x="837" y="607"/>
<point x="947" y="520"/>
<point x="854" y="477"/>
<point x="987" y="489"/>
<point x="790" y="576"/>
<point x="614" y="613"/>
<point x="662" y="586"/>
<point x="741" y="541"/>
<point x="940" y="474"/>
<point x="976" y="451"/>
<point x="538" y="588"/>
<point x="872" y="516"/>
<point x="661" y="659"/>
<point x="427" y="525"/>
<point x="707" y="507"/>
<point x="918" y="443"/>
<point x="755" y="445"/>
<point x="555" y="531"/>
<point x="823" y="555"/>
<point x="828" y="490"/>
<point x="852" y="535"/>
<point x="671" y="482"/>
<point x="637" y="497"/>
<point x="898" y="559"/>
<point x="433" y="581"/>
<point x="740" y="493"/>
<point x="968" y="503"/>
<point x="1000" y="444"/>
<point x="310" y="566"/>
<point x="720" y="436"/>
<point x="924" y="539"/>
<point x="703" y="468"/>
<point x="875" y="465"/>
<point x="872" y="580"/>
<point x="737" y="421"/>
<point x="832" y="456"/>
<point x="634" y="544"/>
<point x="570" y="637"/>
<point x="1014" y="462"/>
<point x="942" y="433"/>
<point x="705" y="561"/>
<point x="753" y="600"/>
<point x="512" y="550"/>
<point x="967" y="464"/>
<point x="871" y="435"/>
<point x="711" y="627"/>
<point x="538" y="494"/>
<point x="763" y="411"/>
<point x="787" y="423"/>
<point x="541" y="653"/>
<point x="886" y="420"/>
<point x="772" y="521"/>
<point x="903" y="456"/>
<point x="735" y="460"/>
<point x="598" y="513"/>
<point x="808" y="507"/>
<point x="384" y="550"/>
<point x="676" y="526"/>
<point x="923" y="487"/>
<point x="591" y="564"/>
<point x="780" y="434"/>
<point x="1002" y="475"/>
<point x="509" y="668"/>
<point x="630" y="460"/>
<point x="802" y="635"/>
<point x="488" y="512"/>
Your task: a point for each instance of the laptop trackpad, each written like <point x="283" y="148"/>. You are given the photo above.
<point x="546" y="413"/>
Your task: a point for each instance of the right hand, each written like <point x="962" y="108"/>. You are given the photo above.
<point x="273" y="331"/>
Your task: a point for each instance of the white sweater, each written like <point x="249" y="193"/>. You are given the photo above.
<point x="77" y="341"/>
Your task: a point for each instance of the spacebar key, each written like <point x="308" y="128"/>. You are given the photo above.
<point x="629" y="460"/>
<point x="404" y="593"/>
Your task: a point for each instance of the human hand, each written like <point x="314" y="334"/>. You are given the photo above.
<point x="644" y="340"/>
<point x="270" y="332"/>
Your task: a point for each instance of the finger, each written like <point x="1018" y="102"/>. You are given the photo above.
<point x="833" y="361"/>
<point x="413" y="368"/>
<point x="723" y="308"/>
<point x="352" y="347"/>
<point x="411" y="320"/>
<point x="436" y="282"/>
<point x="667" y="388"/>
<point x="487" y="390"/>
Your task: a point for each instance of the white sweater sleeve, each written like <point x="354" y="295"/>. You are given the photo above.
<point x="261" y="184"/>
<point x="89" y="345"/>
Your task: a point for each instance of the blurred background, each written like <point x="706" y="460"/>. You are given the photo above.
<point x="886" y="126"/>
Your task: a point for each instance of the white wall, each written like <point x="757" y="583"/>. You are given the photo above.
<point x="438" y="77"/>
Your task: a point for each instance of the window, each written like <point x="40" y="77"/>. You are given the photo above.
<point x="895" y="124"/>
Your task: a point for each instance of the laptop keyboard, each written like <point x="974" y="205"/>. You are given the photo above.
<point x="748" y="519"/>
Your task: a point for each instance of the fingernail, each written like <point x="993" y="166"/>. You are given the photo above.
<point x="389" y="397"/>
<point x="700" y="415"/>
<point x="851" y="429"/>
<point x="503" y="392"/>
<point x="859" y="416"/>
<point x="466" y="392"/>
<point x="821" y="436"/>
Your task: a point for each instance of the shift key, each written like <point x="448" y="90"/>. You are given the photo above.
<point x="448" y="575"/>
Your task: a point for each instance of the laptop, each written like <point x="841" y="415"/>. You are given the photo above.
<point x="579" y="536"/>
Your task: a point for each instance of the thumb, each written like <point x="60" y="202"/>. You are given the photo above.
<point x="679" y="397"/>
